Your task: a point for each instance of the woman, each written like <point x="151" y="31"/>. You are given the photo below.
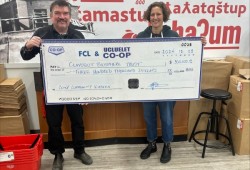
<point x="156" y="14"/>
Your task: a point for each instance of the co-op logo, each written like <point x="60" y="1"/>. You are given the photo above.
<point x="56" y="50"/>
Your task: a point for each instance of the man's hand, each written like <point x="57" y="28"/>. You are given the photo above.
<point x="35" y="41"/>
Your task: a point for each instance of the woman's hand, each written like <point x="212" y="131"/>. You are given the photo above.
<point x="35" y="41"/>
<point x="203" y="41"/>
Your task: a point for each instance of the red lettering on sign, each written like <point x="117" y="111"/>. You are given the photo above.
<point x="101" y="0"/>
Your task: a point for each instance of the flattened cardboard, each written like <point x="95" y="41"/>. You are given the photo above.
<point x="245" y="73"/>
<point x="10" y="84"/>
<point x="14" y="105"/>
<point x="12" y="111"/>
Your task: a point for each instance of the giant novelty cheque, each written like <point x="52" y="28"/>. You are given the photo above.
<point x="121" y="70"/>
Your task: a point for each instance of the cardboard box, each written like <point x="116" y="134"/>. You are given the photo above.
<point x="240" y="134"/>
<point x="239" y="103"/>
<point x="14" y="125"/>
<point x="216" y="74"/>
<point x="2" y="73"/>
<point x="239" y="62"/>
<point x="195" y="108"/>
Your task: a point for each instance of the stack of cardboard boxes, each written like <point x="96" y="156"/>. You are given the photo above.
<point x="13" y="108"/>
<point x="238" y="108"/>
<point x="224" y="74"/>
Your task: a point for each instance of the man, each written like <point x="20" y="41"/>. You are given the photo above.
<point x="60" y="14"/>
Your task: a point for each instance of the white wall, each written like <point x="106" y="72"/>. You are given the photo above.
<point x="25" y="72"/>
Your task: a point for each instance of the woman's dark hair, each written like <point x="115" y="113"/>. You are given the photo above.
<point x="165" y="11"/>
<point x="61" y="3"/>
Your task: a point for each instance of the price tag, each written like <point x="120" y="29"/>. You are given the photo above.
<point x="6" y="156"/>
